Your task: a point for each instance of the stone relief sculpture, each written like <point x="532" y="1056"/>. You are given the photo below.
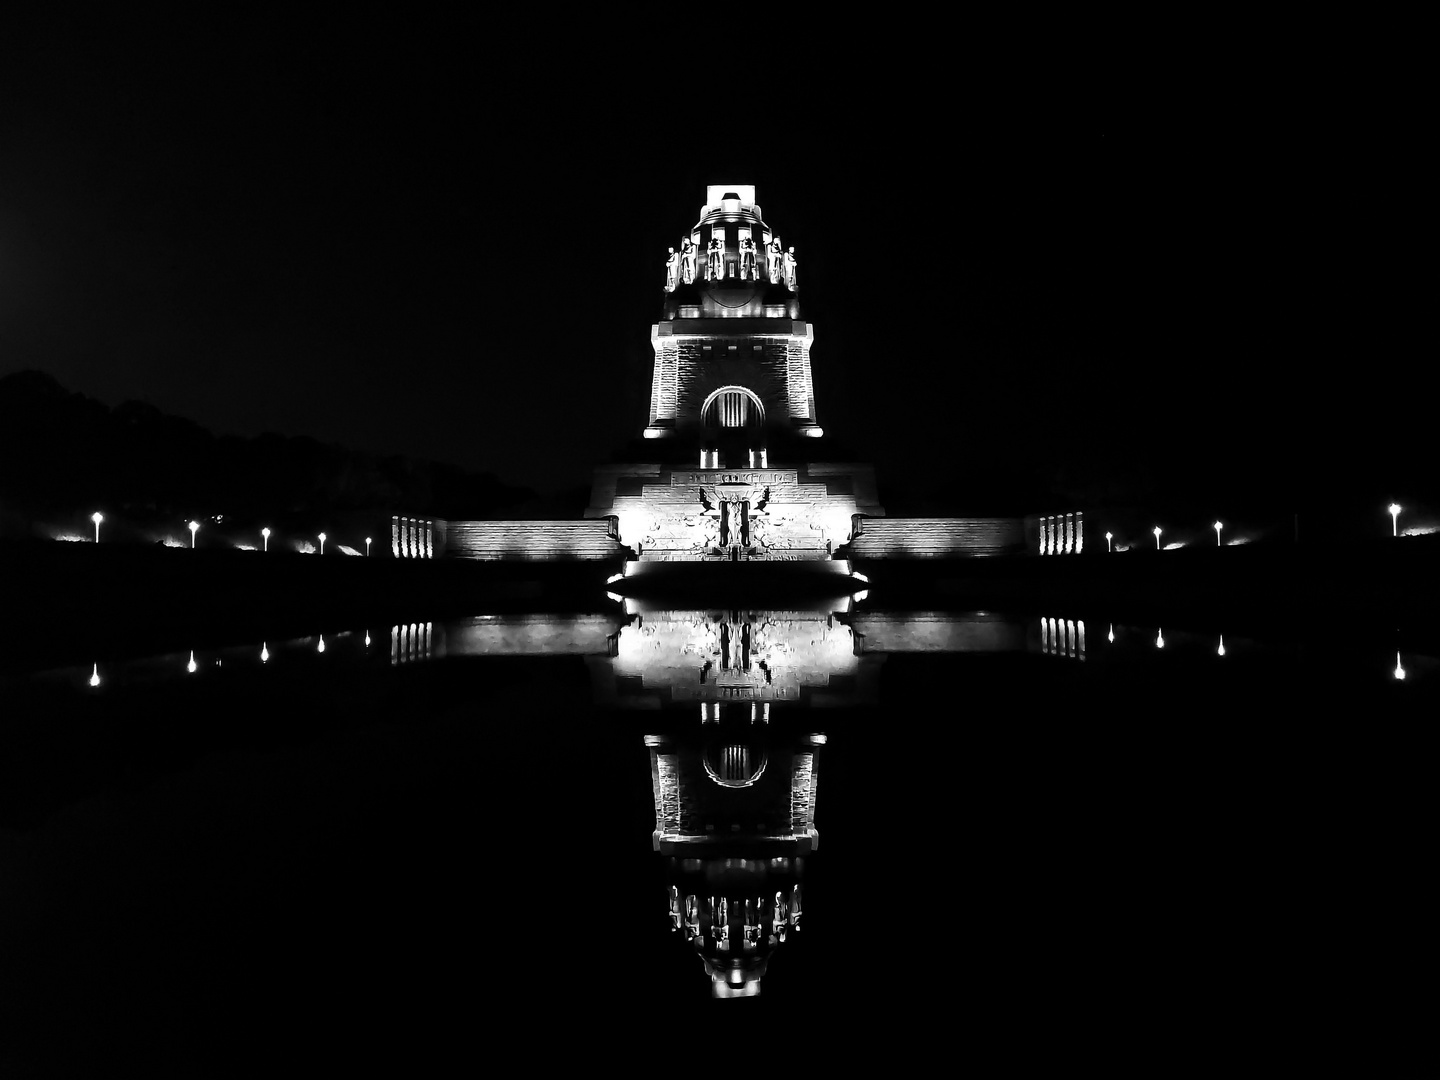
<point x="687" y="261"/>
<point x="789" y="265"/>
<point x="672" y="270"/>
<point x="747" y="258"/>
<point x="773" y="260"/>
<point x="716" y="254"/>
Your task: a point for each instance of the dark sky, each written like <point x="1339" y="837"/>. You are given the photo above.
<point x="445" y="238"/>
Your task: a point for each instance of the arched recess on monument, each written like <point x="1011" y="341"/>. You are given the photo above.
<point x="733" y="410"/>
<point x="734" y="765"/>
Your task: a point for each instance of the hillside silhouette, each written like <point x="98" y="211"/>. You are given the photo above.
<point x="64" y="455"/>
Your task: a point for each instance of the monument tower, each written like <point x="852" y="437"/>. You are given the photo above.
<point x="736" y="472"/>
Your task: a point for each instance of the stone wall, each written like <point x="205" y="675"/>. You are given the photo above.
<point x="936" y="538"/>
<point x="696" y="357"/>
<point x="562" y="540"/>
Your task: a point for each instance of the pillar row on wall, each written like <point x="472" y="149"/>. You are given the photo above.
<point x="415" y="538"/>
<point x="1062" y="534"/>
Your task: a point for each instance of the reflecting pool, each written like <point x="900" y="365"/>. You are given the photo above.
<point x="1006" y="818"/>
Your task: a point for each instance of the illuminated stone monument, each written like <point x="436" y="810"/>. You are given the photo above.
<point x="732" y="464"/>
<point x="732" y="402"/>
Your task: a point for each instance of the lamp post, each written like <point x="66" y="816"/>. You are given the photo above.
<point x="1109" y="546"/>
<point x="367" y="547"/>
<point x="194" y="528"/>
<point x="322" y="543"/>
<point x="1156" y="530"/>
<point x="97" y="517"/>
<point x="1394" y="519"/>
<point x="1217" y="533"/>
<point x="265" y="539"/>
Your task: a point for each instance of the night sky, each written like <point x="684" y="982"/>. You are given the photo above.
<point x="445" y="239"/>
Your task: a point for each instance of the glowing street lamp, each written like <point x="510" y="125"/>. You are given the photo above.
<point x="1159" y="639"/>
<point x="1109" y="546"/>
<point x="95" y="676"/>
<point x="1399" y="671"/>
<point x="1221" y="650"/>
<point x="1156" y="530"/>
<point x="97" y="517"/>
<point x="322" y="543"/>
<point x="191" y="666"/>
<point x="264" y="652"/>
<point x="1217" y="533"/>
<point x="194" y="528"/>
<point x="265" y="539"/>
<point x="1111" y="636"/>
<point x="321" y="646"/>
<point x="367" y="547"/>
<point x="1394" y="519"/>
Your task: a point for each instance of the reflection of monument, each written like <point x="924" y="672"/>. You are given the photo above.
<point x="735" y="912"/>
<point x="735" y="815"/>
<point x="745" y="660"/>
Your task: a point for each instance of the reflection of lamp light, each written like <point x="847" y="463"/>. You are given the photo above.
<point x="1394" y="519"/>
<point x="95" y="676"/>
<point x="97" y="517"/>
<point x="1217" y="534"/>
<point x="1157" y="537"/>
<point x="1221" y="651"/>
<point x="322" y="543"/>
<point x="1399" y="671"/>
<point x="1159" y="638"/>
<point x="367" y="547"/>
<point x="1109" y="546"/>
<point x="265" y="537"/>
<point x="194" y="528"/>
<point x="190" y="667"/>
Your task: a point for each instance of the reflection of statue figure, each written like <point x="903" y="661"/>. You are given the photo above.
<point x="716" y="253"/>
<point x="747" y="258"/>
<point x="772" y="261"/>
<point x="672" y="270"/>
<point x="687" y="261"/>
<point x="789" y="264"/>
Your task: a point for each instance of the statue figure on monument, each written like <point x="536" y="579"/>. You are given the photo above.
<point x="672" y="270"/>
<point x="716" y="253"/>
<point x="687" y="261"/>
<point x="790" y="269"/>
<point x="773" y="256"/>
<point x="747" y="258"/>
